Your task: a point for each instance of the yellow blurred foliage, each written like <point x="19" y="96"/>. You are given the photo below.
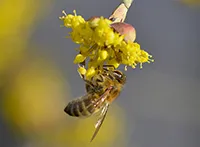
<point x="191" y="2"/>
<point x="35" y="99"/>
<point x="17" y="17"/>
<point x="77" y="132"/>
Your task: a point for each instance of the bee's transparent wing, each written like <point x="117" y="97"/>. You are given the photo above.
<point x="100" y="120"/>
<point x="101" y="100"/>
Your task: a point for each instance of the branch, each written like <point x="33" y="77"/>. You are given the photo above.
<point x="119" y="14"/>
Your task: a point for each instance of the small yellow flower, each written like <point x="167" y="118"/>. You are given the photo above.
<point x="82" y="70"/>
<point x="79" y="58"/>
<point x="90" y="72"/>
<point x="103" y="42"/>
<point x="103" y="54"/>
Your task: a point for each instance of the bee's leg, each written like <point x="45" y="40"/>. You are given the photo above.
<point x="88" y="84"/>
<point x="106" y="67"/>
<point x="81" y="75"/>
<point x="82" y="64"/>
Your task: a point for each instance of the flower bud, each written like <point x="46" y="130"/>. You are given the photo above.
<point x="125" y="29"/>
<point x="103" y="54"/>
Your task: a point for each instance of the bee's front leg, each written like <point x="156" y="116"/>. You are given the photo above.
<point x="82" y="64"/>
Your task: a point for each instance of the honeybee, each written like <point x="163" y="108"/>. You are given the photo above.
<point x="102" y="90"/>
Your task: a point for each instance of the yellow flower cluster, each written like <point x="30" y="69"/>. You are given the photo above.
<point x="101" y="44"/>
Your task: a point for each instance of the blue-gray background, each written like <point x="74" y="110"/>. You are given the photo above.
<point x="162" y="101"/>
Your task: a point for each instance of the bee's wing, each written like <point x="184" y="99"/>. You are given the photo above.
<point x="100" y="120"/>
<point x="101" y="100"/>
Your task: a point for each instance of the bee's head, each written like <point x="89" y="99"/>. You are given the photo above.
<point x="119" y="76"/>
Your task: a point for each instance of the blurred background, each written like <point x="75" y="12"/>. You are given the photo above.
<point x="159" y="106"/>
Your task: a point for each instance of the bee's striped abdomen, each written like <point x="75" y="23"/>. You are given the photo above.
<point x="80" y="107"/>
